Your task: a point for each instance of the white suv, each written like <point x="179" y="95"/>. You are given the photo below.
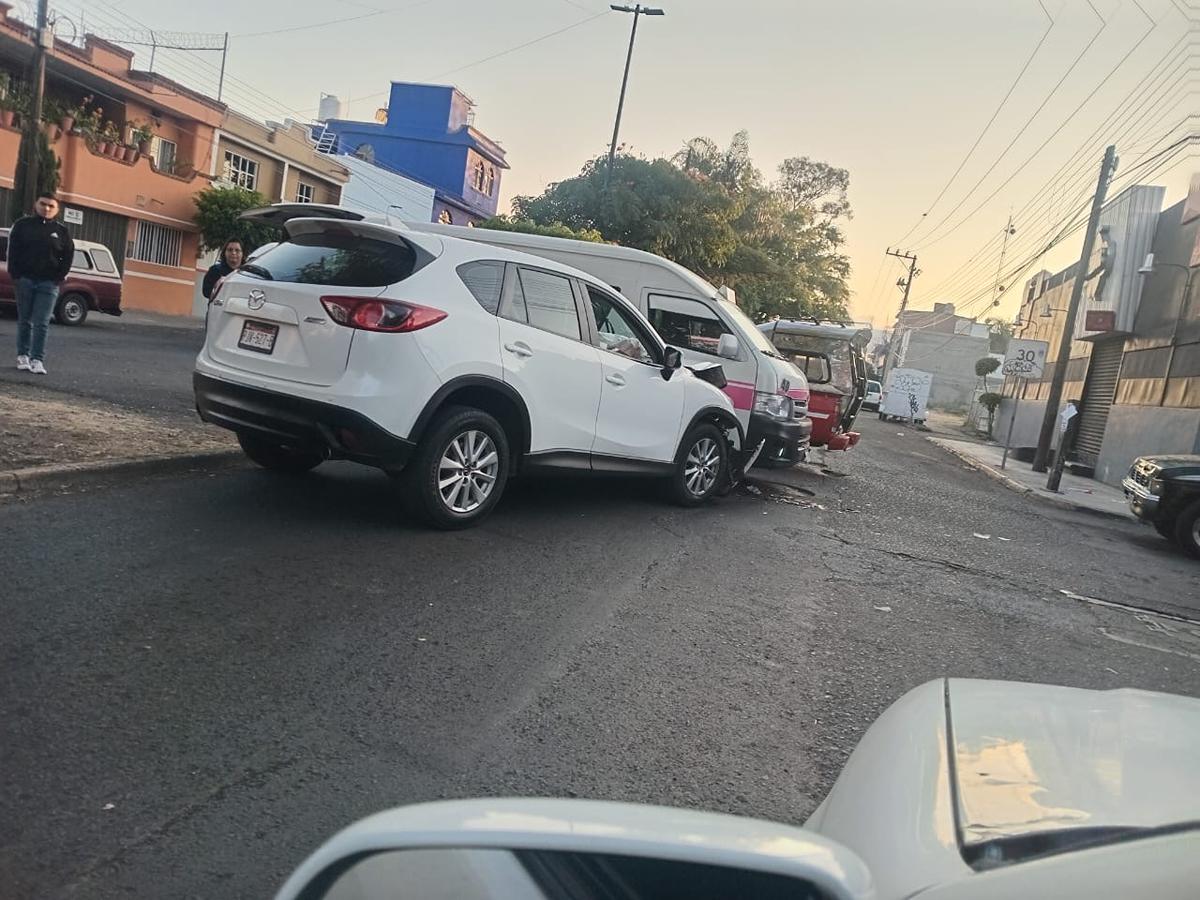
<point x="452" y="364"/>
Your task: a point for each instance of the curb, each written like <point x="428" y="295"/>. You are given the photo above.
<point x="21" y="481"/>
<point x="1013" y="485"/>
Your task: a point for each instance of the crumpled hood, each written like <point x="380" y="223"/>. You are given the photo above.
<point x="1032" y="758"/>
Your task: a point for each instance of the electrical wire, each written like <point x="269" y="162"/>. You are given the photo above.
<point x="995" y="114"/>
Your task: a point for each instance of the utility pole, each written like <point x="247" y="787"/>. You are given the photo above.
<point x="638" y="11"/>
<point x="32" y="155"/>
<point x="1107" y="168"/>
<point x="905" y="283"/>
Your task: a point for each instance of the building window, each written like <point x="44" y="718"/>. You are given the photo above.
<point x="478" y="176"/>
<point x="489" y="183"/>
<point x="164" y="153"/>
<point x="445" y="218"/>
<point x="240" y="171"/>
<point x="157" y="244"/>
<point x="304" y="192"/>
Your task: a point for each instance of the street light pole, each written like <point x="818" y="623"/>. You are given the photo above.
<point x="637" y="11"/>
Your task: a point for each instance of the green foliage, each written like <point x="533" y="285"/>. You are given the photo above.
<point x="528" y="226"/>
<point x="48" y="175"/>
<point x="991" y="402"/>
<point x="709" y="209"/>
<point x="217" y="211"/>
<point x="1000" y="332"/>
<point x="986" y="365"/>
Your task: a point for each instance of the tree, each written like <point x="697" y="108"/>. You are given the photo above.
<point x="48" y="177"/>
<point x="991" y="402"/>
<point x="527" y="226"/>
<point x="217" y="211"/>
<point x="709" y="209"/>
<point x="1000" y="332"/>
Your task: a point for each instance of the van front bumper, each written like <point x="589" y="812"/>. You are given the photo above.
<point x="786" y="442"/>
<point x="298" y="422"/>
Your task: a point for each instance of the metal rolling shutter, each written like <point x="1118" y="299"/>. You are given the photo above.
<point x="1098" y="393"/>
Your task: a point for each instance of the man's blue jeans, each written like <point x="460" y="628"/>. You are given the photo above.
<point x="35" y="305"/>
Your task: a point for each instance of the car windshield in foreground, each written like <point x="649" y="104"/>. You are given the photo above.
<point x="1018" y="848"/>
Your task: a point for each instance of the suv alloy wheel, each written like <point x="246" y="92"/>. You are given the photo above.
<point x="701" y="465"/>
<point x="460" y="469"/>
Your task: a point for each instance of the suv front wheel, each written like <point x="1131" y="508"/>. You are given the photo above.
<point x="701" y="465"/>
<point x="460" y="469"/>
<point x="1187" y="529"/>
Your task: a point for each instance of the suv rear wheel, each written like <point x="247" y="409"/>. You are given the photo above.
<point x="1187" y="529"/>
<point x="277" y="457"/>
<point x="701" y="465"/>
<point x="460" y="469"/>
<point x="72" y="309"/>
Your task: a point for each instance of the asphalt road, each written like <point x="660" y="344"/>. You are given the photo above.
<point x="204" y="677"/>
<point x="142" y="366"/>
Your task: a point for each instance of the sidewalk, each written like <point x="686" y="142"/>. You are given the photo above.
<point x="1076" y="493"/>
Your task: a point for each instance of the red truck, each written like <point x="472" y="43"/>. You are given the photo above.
<point x="94" y="283"/>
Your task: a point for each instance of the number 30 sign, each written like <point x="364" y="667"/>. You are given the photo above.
<point x="1025" y="359"/>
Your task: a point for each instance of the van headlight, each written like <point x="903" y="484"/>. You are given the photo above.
<point x="777" y="406"/>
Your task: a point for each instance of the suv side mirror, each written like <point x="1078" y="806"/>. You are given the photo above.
<point x="727" y="346"/>
<point x="672" y="360"/>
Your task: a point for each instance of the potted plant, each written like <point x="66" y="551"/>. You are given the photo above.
<point x="108" y="140"/>
<point x="8" y="111"/>
<point x="72" y="113"/>
<point x="89" y="126"/>
<point x="16" y="102"/>
<point x="53" y="112"/>
<point x="184" y="168"/>
<point x="140" y="136"/>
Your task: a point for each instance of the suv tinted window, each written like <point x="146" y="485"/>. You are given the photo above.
<point x="4" y="248"/>
<point x="686" y="323"/>
<point x="484" y="280"/>
<point x="343" y="259"/>
<point x="545" y="301"/>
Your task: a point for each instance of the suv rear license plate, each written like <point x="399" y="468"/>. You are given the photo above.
<point x="258" y="336"/>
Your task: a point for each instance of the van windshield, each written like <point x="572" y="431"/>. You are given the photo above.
<point x="749" y="329"/>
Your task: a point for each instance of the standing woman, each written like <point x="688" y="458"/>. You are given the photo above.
<point x="228" y="260"/>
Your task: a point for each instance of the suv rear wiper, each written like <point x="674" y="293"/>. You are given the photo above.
<point x="252" y="269"/>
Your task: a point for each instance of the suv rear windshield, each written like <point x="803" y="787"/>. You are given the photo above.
<point x="344" y="259"/>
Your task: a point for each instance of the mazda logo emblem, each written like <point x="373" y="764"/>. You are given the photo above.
<point x="256" y="299"/>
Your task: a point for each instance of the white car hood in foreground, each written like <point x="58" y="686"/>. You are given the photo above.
<point x="1035" y="758"/>
<point x="956" y="768"/>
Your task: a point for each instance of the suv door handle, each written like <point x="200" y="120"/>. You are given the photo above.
<point x="519" y="348"/>
<point x="614" y="379"/>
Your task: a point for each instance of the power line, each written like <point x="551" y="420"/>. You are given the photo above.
<point x="1012" y="87"/>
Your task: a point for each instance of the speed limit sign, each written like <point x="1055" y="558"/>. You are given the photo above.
<point x="1025" y="359"/>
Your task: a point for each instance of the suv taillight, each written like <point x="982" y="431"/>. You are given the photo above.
<point x="372" y="314"/>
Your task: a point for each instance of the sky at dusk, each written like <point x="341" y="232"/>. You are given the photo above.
<point x="895" y="93"/>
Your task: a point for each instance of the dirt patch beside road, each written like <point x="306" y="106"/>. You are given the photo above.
<point x="41" y="428"/>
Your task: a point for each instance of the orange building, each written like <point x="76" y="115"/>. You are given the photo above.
<point x="142" y="205"/>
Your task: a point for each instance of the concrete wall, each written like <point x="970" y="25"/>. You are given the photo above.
<point x="951" y="360"/>
<point x="1028" y="425"/>
<point x="1134" y="431"/>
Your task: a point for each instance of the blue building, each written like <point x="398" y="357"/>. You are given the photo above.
<point x="426" y="133"/>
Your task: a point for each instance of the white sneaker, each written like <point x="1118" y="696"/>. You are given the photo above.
<point x="22" y="363"/>
<point x="37" y="367"/>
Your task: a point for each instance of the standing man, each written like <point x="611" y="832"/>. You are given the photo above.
<point x="40" y="251"/>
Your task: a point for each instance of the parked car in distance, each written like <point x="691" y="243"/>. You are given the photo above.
<point x="960" y="790"/>
<point x="1165" y="491"/>
<point x="94" y="283"/>
<point x="452" y="365"/>
<point x="873" y="395"/>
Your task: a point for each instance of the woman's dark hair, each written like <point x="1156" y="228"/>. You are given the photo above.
<point x="225" y="246"/>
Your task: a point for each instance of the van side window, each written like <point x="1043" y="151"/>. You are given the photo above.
<point x="545" y="301"/>
<point x="4" y="249"/>
<point x="80" y="260"/>
<point x="687" y="324"/>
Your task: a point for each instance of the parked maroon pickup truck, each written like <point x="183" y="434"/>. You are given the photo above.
<point x="94" y="283"/>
